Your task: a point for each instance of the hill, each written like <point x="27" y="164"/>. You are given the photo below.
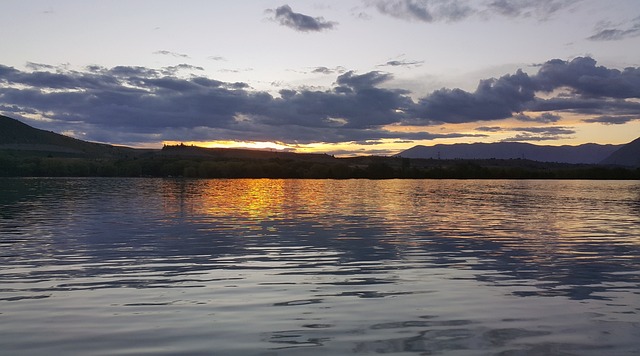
<point x="583" y="154"/>
<point x="627" y="155"/>
<point x="17" y="136"/>
<point x="29" y="152"/>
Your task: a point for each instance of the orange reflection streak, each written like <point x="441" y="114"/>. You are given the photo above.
<point x="257" y="199"/>
<point x="543" y="218"/>
<point x="259" y="206"/>
<point x="260" y="198"/>
<point x="252" y="205"/>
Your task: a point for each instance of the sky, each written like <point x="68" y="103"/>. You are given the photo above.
<point x="348" y="77"/>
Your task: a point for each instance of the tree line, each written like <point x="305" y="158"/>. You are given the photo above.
<point x="338" y="168"/>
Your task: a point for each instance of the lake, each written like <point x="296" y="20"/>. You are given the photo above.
<point x="319" y="267"/>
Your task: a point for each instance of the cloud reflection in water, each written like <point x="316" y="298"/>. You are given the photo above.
<point x="358" y="266"/>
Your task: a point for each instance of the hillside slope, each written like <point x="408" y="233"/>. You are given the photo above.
<point x="627" y="155"/>
<point x="17" y="136"/>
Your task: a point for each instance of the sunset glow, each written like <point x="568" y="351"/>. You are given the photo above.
<point x="233" y="144"/>
<point x="327" y="177"/>
<point x="294" y="81"/>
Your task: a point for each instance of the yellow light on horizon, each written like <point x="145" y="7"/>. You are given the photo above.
<point x="256" y="145"/>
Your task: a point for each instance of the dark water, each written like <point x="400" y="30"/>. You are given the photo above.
<point x="287" y="267"/>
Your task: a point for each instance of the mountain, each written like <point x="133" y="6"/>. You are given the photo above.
<point x="17" y="136"/>
<point x="627" y="155"/>
<point x="589" y="153"/>
<point x="29" y="152"/>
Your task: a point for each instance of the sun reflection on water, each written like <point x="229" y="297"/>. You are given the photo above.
<point x="334" y="267"/>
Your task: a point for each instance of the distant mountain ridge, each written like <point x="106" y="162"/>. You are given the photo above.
<point x="589" y="153"/>
<point x="19" y="137"/>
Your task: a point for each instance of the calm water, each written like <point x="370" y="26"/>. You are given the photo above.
<point x="319" y="267"/>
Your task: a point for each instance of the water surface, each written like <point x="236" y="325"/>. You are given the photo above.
<point x="284" y="267"/>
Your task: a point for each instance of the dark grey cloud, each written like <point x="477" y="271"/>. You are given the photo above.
<point x="325" y="70"/>
<point x="40" y="66"/>
<point x="135" y="103"/>
<point x="542" y="118"/>
<point x="586" y="106"/>
<point x="402" y="63"/>
<point x="375" y="152"/>
<point x="589" y="90"/>
<point x="546" y="130"/>
<point x="172" y="54"/>
<point x="584" y="77"/>
<point x="540" y="133"/>
<point x="355" y="103"/>
<point x="530" y="137"/>
<point x="613" y="120"/>
<point x="547" y="133"/>
<point x="172" y="70"/>
<point x="540" y="9"/>
<point x="368" y="142"/>
<point x="489" y="128"/>
<point x="458" y="10"/>
<point x="368" y="80"/>
<point x="139" y="101"/>
<point x="493" y="99"/>
<point x="300" y="22"/>
<point x="423" y="10"/>
<point x="615" y="33"/>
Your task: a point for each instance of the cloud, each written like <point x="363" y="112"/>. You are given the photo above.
<point x="134" y="103"/>
<point x="489" y="128"/>
<point x="612" y="120"/>
<point x="494" y="99"/>
<point x="609" y="33"/>
<point x="423" y="10"/>
<point x="402" y="63"/>
<point x="40" y="66"/>
<point x="552" y="130"/>
<point x="300" y="22"/>
<point x="542" y="118"/>
<point x="458" y="10"/>
<point x="585" y="78"/>
<point x="368" y="80"/>
<point x="530" y="137"/>
<point x="172" y="70"/>
<point x="239" y="70"/>
<point x="540" y="133"/>
<point x="157" y="104"/>
<point x="590" y="90"/>
<point x="172" y="54"/>
<point x="540" y="9"/>
<point x="325" y="70"/>
<point x="549" y="132"/>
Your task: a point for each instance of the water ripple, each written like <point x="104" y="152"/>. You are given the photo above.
<point x="167" y="266"/>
